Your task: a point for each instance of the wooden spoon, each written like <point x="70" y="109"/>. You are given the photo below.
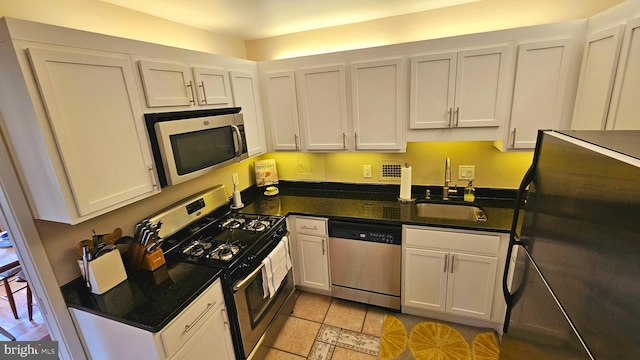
<point x="110" y="239"/>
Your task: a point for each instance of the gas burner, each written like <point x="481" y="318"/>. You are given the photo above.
<point x="233" y="223"/>
<point x="224" y="252"/>
<point x="197" y="248"/>
<point x="257" y="225"/>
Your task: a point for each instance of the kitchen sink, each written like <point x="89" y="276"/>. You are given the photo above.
<point x="450" y="210"/>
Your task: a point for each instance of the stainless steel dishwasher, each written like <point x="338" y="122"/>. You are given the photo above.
<point x="365" y="260"/>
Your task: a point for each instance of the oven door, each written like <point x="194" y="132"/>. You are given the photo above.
<point x="255" y="313"/>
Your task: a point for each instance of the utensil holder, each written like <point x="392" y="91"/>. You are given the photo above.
<point x="105" y="272"/>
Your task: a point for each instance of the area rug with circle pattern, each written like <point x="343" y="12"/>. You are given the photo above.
<point x="406" y="337"/>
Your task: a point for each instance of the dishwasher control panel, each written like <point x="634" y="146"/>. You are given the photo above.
<point x="387" y="234"/>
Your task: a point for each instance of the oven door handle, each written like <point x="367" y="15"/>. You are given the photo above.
<point x="248" y="279"/>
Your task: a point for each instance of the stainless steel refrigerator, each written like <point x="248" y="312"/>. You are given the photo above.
<point x="572" y="286"/>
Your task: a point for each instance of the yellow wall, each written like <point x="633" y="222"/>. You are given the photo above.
<point x="100" y="17"/>
<point x="493" y="168"/>
<point x="482" y="16"/>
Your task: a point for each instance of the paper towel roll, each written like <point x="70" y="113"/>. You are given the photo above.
<point x="405" y="183"/>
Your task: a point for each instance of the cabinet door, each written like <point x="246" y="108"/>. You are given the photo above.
<point x="377" y="104"/>
<point x="323" y="106"/>
<point x="538" y="97"/>
<point x="212" y="87"/>
<point x="246" y="94"/>
<point x="470" y="285"/>
<point x="481" y="87"/>
<point x="213" y="335"/>
<point x="283" y="110"/>
<point x="314" y="261"/>
<point x="167" y="84"/>
<point x="625" y="103"/>
<point x="425" y="279"/>
<point x="433" y="79"/>
<point x="95" y="115"/>
<point x="599" y="63"/>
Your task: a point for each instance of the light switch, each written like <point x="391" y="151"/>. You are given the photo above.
<point x="466" y="172"/>
<point x="366" y="171"/>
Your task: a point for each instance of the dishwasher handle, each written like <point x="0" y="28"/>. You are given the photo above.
<point x="366" y="231"/>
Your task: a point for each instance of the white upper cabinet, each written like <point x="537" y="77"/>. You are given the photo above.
<point x="459" y="89"/>
<point x="599" y="63"/>
<point x="539" y="93"/>
<point x="283" y="110"/>
<point x="323" y="108"/>
<point x="625" y="102"/>
<point x="377" y="101"/>
<point x="173" y="84"/>
<point x="246" y="95"/>
<point x="96" y="121"/>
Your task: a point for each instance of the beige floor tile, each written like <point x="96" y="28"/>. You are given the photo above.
<point x="373" y="321"/>
<point x="321" y="351"/>
<point x="297" y="336"/>
<point x="359" y="342"/>
<point x="275" y="354"/>
<point x="346" y="354"/>
<point x="346" y="314"/>
<point x="311" y="306"/>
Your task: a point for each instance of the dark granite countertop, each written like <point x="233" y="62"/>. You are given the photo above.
<point x="147" y="300"/>
<point x="150" y="300"/>
<point x="376" y="202"/>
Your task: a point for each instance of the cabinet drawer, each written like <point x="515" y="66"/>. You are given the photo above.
<point x="184" y="325"/>
<point x="317" y="227"/>
<point x="450" y="240"/>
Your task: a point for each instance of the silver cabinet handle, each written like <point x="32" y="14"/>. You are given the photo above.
<point x="344" y="141"/>
<point x="190" y="86"/>
<point x="356" y="139"/>
<point x="446" y="257"/>
<point x="309" y="228"/>
<point x="453" y="259"/>
<point x="153" y="178"/>
<point x="204" y="92"/>
<point x="295" y="138"/>
<point x="190" y="326"/>
<point x="513" y="140"/>
<point x="226" y="316"/>
<point x="457" y="117"/>
<point x="323" y="250"/>
<point x="450" y="112"/>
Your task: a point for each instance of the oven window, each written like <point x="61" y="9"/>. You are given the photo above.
<point x="257" y="305"/>
<point x="200" y="149"/>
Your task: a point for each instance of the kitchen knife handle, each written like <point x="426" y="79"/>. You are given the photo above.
<point x="190" y="86"/>
<point x="190" y="326"/>
<point x="204" y="92"/>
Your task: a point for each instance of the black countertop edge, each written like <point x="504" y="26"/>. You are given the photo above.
<point x="148" y="300"/>
<point x="381" y="191"/>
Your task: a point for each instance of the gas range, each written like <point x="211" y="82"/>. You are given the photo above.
<point x="207" y="233"/>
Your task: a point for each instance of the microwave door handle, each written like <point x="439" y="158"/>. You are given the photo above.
<point x="237" y="140"/>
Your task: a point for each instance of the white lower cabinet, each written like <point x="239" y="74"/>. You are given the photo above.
<point x="453" y="273"/>
<point x="200" y="331"/>
<point x="310" y="252"/>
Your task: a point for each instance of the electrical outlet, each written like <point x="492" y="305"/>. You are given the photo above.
<point x="466" y="172"/>
<point x="366" y="171"/>
<point x="234" y="178"/>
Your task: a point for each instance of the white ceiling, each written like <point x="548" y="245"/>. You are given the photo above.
<point x="257" y="19"/>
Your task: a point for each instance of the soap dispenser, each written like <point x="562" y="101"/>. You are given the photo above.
<point x="470" y="192"/>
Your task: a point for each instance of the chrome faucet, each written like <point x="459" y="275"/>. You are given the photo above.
<point x="447" y="180"/>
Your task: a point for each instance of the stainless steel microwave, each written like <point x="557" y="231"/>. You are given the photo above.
<point x="188" y="144"/>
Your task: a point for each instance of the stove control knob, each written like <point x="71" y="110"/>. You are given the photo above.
<point x="245" y="265"/>
<point x="251" y="258"/>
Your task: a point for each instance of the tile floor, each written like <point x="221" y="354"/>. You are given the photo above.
<point x="322" y="327"/>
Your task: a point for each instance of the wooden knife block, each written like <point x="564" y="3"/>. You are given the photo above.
<point x="140" y="259"/>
